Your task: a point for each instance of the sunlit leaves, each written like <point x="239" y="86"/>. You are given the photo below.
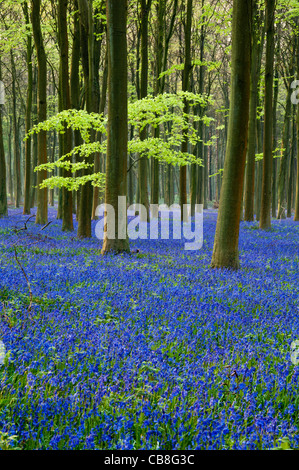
<point x="165" y="110"/>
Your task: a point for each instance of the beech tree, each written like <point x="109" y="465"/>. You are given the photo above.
<point x="265" y="213"/>
<point x="65" y="103"/>
<point x="117" y="129"/>
<point x="3" y="193"/>
<point x="225" y="250"/>
<point x="42" y="193"/>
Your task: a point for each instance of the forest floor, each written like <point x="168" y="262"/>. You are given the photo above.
<point x="152" y="350"/>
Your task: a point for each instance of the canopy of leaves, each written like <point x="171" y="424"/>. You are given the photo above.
<point x="165" y="110"/>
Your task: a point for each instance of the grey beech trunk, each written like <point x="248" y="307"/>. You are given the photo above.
<point x="265" y="211"/>
<point x="16" y="147"/>
<point x="225" y="251"/>
<point x="285" y="154"/>
<point x="117" y="127"/>
<point x="75" y="87"/>
<point x="27" y="184"/>
<point x="185" y="87"/>
<point x="87" y="57"/>
<point x="143" y="163"/>
<point x="3" y="193"/>
<point x="296" y="216"/>
<point x="256" y="48"/>
<point x="274" y="121"/>
<point x="42" y="194"/>
<point x="65" y="103"/>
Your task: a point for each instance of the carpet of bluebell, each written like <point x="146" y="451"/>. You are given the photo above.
<point x="150" y="350"/>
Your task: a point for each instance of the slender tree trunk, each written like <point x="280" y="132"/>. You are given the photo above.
<point x="265" y="213"/>
<point x="10" y="177"/>
<point x="16" y="148"/>
<point x="259" y="167"/>
<point x="291" y="171"/>
<point x="225" y="251"/>
<point x="296" y="216"/>
<point x="34" y="140"/>
<point x="185" y="87"/>
<point x="98" y="157"/>
<point x="254" y="76"/>
<point x="142" y="164"/>
<point x="284" y="160"/>
<point x="42" y="194"/>
<point x="64" y="89"/>
<point x="100" y="98"/>
<point x="75" y="87"/>
<point x="88" y="65"/>
<point x="206" y="172"/>
<point x="161" y="6"/>
<point x="27" y="185"/>
<point x="3" y="193"/>
<point x="117" y="127"/>
<point x="274" y="173"/>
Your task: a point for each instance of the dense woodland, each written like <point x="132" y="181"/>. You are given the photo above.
<point x="153" y="103"/>
<point x="138" y="97"/>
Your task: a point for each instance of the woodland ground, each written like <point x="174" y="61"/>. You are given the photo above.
<point x="152" y="350"/>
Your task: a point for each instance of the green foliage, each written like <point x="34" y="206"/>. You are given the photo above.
<point x="165" y="111"/>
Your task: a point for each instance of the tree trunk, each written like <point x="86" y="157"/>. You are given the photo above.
<point x="274" y="172"/>
<point x="42" y="194"/>
<point x="16" y="148"/>
<point x="142" y="164"/>
<point x="265" y="212"/>
<point x="27" y="185"/>
<point x="117" y="127"/>
<point x="3" y="193"/>
<point x="75" y="88"/>
<point x="34" y="140"/>
<point x="185" y="87"/>
<point x="296" y="216"/>
<point x="87" y="56"/>
<point x="225" y="251"/>
<point x="254" y="76"/>
<point x="291" y="171"/>
<point x="284" y="160"/>
<point x="65" y="103"/>
<point x="10" y="183"/>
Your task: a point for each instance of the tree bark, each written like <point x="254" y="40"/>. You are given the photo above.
<point x="265" y="212"/>
<point x="16" y="148"/>
<point x="65" y="103"/>
<point x="185" y="87"/>
<point x="284" y="160"/>
<point x="87" y="56"/>
<point x="254" y="77"/>
<point x="142" y="164"/>
<point x="27" y="185"/>
<point x="117" y="127"/>
<point x="3" y="193"/>
<point x="225" y="251"/>
<point x="42" y="194"/>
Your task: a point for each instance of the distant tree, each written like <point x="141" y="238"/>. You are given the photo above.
<point x="256" y="53"/>
<point x="42" y="193"/>
<point x="27" y="183"/>
<point x="64" y="103"/>
<point x="143" y="162"/>
<point x="265" y="210"/>
<point x="296" y="216"/>
<point x="3" y="194"/>
<point x="185" y="87"/>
